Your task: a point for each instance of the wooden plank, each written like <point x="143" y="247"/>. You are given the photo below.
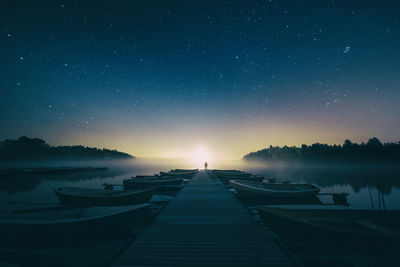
<point x="204" y="225"/>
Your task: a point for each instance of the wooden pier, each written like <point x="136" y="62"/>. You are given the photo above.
<point x="204" y="225"/>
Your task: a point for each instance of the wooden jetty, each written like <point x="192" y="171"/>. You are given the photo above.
<point x="204" y="225"/>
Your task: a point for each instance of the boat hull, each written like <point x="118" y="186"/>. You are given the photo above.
<point x="356" y="237"/>
<point x="125" y="198"/>
<point x="177" y="174"/>
<point x="244" y="188"/>
<point x="135" y="183"/>
<point x="226" y="179"/>
<point x="110" y="224"/>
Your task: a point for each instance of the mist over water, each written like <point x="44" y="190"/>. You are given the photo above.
<point x="362" y="182"/>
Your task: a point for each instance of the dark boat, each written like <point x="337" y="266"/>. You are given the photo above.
<point x="227" y="171"/>
<point x="334" y="226"/>
<point x="146" y="176"/>
<point x="68" y="222"/>
<point x="234" y="174"/>
<point x="101" y="197"/>
<point x="184" y="170"/>
<point x="150" y="182"/>
<point x="226" y="179"/>
<point x="177" y="174"/>
<point x="275" y="190"/>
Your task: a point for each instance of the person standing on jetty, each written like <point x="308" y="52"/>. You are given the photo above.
<point x="205" y="165"/>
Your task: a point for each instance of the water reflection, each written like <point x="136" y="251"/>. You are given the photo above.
<point x="363" y="183"/>
<point x="381" y="178"/>
<point x="37" y="188"/>
<point x="20" y="182"/>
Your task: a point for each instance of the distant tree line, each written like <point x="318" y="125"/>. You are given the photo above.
<point x="372" y="151"/>
<point x="25" y="148"/>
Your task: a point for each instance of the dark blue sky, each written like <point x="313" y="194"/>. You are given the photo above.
<point x="155" y="78"/>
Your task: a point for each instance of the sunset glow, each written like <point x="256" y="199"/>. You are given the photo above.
<point x="200" y="155"/>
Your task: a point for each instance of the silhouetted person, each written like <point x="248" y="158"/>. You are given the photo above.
<point x="205" y="165"/>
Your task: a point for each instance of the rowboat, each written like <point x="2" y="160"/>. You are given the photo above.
<point x="177" y="174"/>
<point x="152" y="182"/>
<point x="59" y="223"/>
<point x="275" y="190"/>
<point x="184" y="170"/>
<point x="146" y="176"/>
<point x="234" y="175"/>
<point x="334" y="226"/>
<point x="229" y="173"/>
<point x="156" y="176"/>
<point x="225" y="171"/>
<point x="226" y="179"/>
<point x="101" y="197"/>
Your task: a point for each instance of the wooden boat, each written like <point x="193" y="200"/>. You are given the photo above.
<point x="184" y="170"/>
<point x="234" y="175"/>
<point x="152" y="182"/>
<point x="226" y="179"/>
<point x="156" y="176"/>
<point x="169" y="189"/>
<point x="275" y="190"/>
<point x="59" y="223"/>
<point x="178" y="174"/>
<point x="227" y="171"/>
<point x="334" y="226"/>
<point x="101" y="197"/>
<point x="146" y="176"/>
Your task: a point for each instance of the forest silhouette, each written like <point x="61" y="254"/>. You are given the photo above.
<point x="33" y="149"/>
<point x="372" y="151"/>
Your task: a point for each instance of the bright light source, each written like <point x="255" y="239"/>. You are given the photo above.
<point x="200" y="155"/>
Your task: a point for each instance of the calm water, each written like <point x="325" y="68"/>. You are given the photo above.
<point x="362" y="182"/>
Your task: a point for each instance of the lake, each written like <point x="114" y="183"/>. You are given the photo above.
<point x="361" y="182"/>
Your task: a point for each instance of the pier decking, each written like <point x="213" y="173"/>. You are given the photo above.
<point x="204" y="225"/>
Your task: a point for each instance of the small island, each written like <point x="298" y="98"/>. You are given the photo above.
<point x="374" y="151"/>
<point x="35" y="149"/>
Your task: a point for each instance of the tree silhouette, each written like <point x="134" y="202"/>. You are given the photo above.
<point x="25" y="148"/>
<point x="372" y="151"/>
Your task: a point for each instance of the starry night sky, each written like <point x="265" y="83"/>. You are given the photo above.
<point x="155" y="78"/>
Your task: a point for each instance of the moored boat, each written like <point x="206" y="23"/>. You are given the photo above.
<point x="61" y="223"/>
<point x="226" y="179"/>
<point x="101" y="197"/>
<point x="177" y="174"/>
<point x="184" y="170"/>
<point x="274" y="190"/>
<point x="241" y="174"/>
<point x="227" y="171"/>
<point x="150" y="182"/>
<point x="146" y="176"/>
<point x="226" y="176"/>
<point x="334" y="226"/>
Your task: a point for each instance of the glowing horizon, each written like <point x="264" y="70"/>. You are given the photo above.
<point x="250" y="78"/>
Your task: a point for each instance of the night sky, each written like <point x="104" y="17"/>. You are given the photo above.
<point x="160" y="78"/>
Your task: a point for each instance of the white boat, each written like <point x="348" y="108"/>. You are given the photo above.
<point x="275" y="190"/>
<point x="101" y="197"/>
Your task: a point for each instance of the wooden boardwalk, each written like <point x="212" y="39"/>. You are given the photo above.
<point x="204" y="225"/>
